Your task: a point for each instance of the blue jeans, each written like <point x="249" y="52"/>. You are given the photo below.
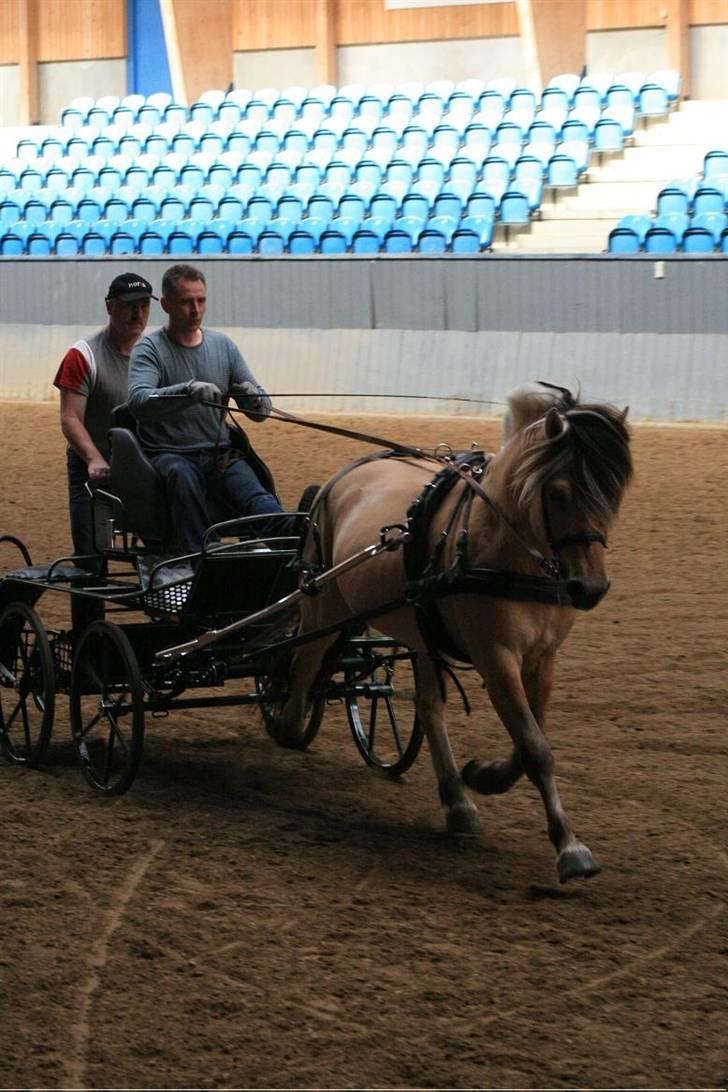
<point x="193" y="480"/>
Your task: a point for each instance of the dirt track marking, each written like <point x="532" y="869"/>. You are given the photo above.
<point x="98" y="957"/>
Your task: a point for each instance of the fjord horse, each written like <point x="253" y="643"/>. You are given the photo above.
<point x="531" y="525"/>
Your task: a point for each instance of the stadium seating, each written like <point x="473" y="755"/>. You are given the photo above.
<point x="323" y="170"/>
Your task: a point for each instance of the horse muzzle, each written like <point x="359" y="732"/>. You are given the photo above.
<point x="585" y="596"/>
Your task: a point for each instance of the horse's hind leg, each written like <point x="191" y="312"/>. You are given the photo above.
<point x="462" y="815"/>
<point x="521" y="717"/>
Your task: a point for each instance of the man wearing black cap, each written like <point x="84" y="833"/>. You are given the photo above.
<point x="92" y="379"/>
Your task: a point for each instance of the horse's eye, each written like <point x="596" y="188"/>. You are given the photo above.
<point x="558" y="496"/>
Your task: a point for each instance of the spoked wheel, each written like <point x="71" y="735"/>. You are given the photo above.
<point x="380" y="704"/>
<point x="27" y="686"/>
<point x="107" y="712"/>
<point x="273" y="692"/>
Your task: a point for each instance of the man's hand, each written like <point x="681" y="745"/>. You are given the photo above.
<point x="248" y="397"/>
<point x="199" y="391"/>
<point x="98" y="471"/>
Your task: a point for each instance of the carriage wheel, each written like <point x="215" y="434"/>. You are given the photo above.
<point x="380" y="705"/>
<point x="272" y="693"/>
<point x="107" y="711"/>
<point x="27" y="686"/>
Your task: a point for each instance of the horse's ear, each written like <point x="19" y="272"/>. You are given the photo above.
<point x="554" y="424"/>
<point x="623" y="415"/>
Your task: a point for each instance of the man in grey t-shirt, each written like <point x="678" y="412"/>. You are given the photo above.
<point x="187" y="439"/>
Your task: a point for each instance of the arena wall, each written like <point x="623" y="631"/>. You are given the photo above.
<point x="340" y="333"/>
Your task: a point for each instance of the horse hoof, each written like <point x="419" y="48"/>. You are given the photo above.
<point x="576" y="863"/>
<point x="463" y="821"/>
<point x="283" y="736"/>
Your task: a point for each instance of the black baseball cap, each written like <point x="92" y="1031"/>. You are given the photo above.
<point x="128" y="287"/>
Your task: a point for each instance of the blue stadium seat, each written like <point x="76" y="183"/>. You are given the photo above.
<point x="465" y="241"/>
<point x="482" y="225"/>
<point x="413" y="225"/>
<point x="30" y="181"/>
<point x="121" y="242"/>
<point x="89" y="210"/>
<point x="608" y="136"/>
<point x="514" y="208"/>
<point x="209" y="242"/>
<point x="431" y="241"/>
<point x="321" y="205"/>
<point x="660" y="240"/>
<point x="271" y="243"/>
<point x="698" y="240"/>
<point x="672" y="199"/>
<point x="676" y="222"/>
<point x="447" y="204"/>
<point x="715" y="162"/>
<point x="638" y="223"/>
<point x="152" y="243"/>
<point x="365" y="241"/>
<point x="60" y="211"/>
<point x="93" y="244"/>
<point x="38" y="244"/>
<point x="230" y="209"/>
<point x="68" y="245"/>
<point x="382" y="206"/>
<point x="714" y="222"/>
<point x="415" y="205"/>
<point x="240" y="242"/>
<point x="562" y="172"/>
<point x="397" y="241"/>
<point x="315" y="226"/>
<point x="332" y="241"/>
<point x="35" y="211"/>
<point x="143" y="209"/>
<point x="437" y="227"/>
<point x="8" y="183"/>
<point x="708" y="198"/>
<point x="354" y="207"/>
<point x="301" y="241"/>
<point x="653" y="100"/>
<point x="623" y="240"/>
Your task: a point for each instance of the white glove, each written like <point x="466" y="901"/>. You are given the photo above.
<point x="248" y="397"/>
<point x="200" y="391"/>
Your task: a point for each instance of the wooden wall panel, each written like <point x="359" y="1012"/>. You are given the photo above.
<point x="624" y="14"/>
<point x="75" y="30"/>
<point x="362" y="22"/>
<point x="206" y="58"/>
<point x="287" y="24"/>
<point x="273" y="24"/>
<point x="9" y="41"/>
<point x="705" y="12"/>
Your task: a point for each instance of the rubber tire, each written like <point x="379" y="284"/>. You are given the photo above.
<point x="16" y="620"/>
<point x="404" y="753"/>
<point x="105" y="666"/>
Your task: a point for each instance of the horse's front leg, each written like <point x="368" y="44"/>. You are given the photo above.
<point x="461" y="814"/>
<point x="521" y="718"/>
<point x="307" y="662"/>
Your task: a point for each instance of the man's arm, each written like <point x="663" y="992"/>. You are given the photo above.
<point x="73" y="414"/>
<point x="251" y="398"/>
<point x="148" y="400"/>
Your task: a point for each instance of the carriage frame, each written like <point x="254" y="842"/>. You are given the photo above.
<point x="153" y="647"/>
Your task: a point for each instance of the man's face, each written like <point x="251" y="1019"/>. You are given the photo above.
<point x="186" y="306"/>
<point x="127" y="321"/>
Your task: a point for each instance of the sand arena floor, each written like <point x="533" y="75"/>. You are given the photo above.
<point x="251" y="917"/>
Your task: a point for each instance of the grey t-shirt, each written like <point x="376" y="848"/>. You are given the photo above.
<point x="160" y="367"/>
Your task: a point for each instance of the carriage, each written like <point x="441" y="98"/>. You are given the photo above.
<point x="233" y="612"/>
<point x="408" y="565"/>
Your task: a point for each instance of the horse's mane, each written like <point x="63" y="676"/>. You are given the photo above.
<point x="592" y="452"/>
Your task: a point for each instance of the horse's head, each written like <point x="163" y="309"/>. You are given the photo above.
<point x="569" y="471"/>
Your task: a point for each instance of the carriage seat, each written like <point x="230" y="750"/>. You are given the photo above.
<point x="143" y="509"/>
